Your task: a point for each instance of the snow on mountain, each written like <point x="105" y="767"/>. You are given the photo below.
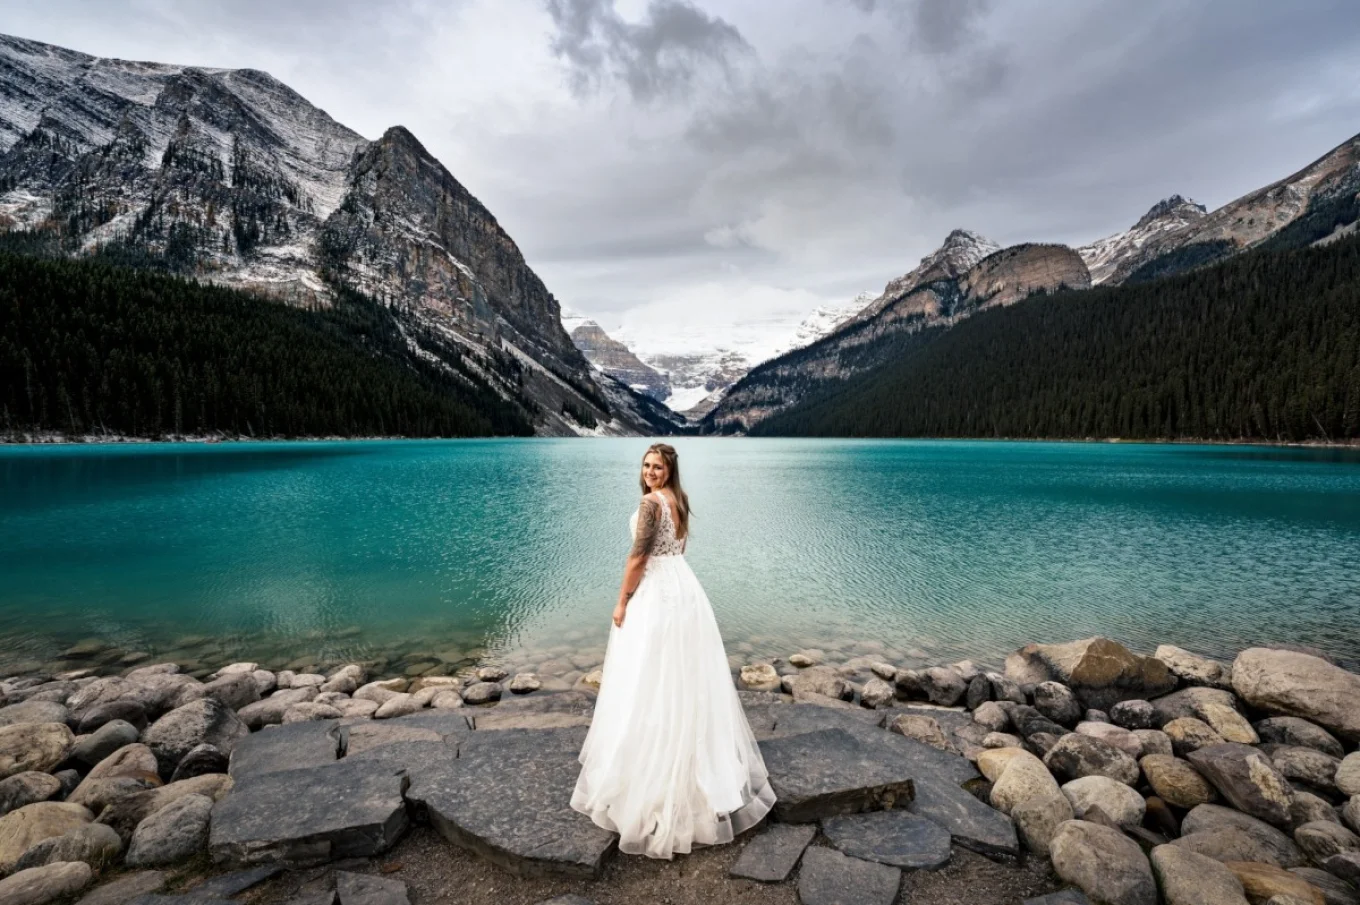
<point x="1104" y="256"/>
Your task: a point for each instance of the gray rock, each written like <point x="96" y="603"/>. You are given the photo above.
<point x="773" y="853"/>
<point x="482" y="692"/>
<point x="828" y="877"/>
<point x="1065" y="897"/>
<point x="895" y="837"/>
<point x="1306" y="765"/>
<point x="1347" y="777"/>
<point x="979" y="692"/>
<point x="924" y="729"/>
<point x="185" y="899"/>
<point x="567" y="899"/>
<point x="1191" y="702"/>
<point x="1335" y="890"/>
<point x="972" y="824"/>
<point x="1346" y="866"/>
<point x="34" y="711"/>
<point x="270" y="711"/>
<point x="69" y="779"/>
<point x="173" y="834"/>
<point x="1029" y="722"/>
<point x="31" y="824"/>
<point x="1154" y="741"/>
<point x="297" y="817"/>
<point x="201" y="760"/>
<point x="876" y="693"/>
<point x="1057" y="702"/>
<point x="181" y="730"/>
<point x="126" y="888"/>
<point x="290" y="747"/>
<point x="1290" y="730"/>
<point x="1187" y="878"/>
<point x="1190" y="733"/>
<point x="1135" y="714"/>
<point x="39" y="747"/>
<point x="1322" y="839"/>
<point x="1350" y="813"/>
<point x="829" y="771"/>
<point x="1096" y="716"/>
<point x="1307" y="807"/>
<point x="228" y="885"/>
<point x="95" y="844"/>
<point x="1279" y="849"/>
<point x="1247" y="779"/>
<point x="105" y="740"/>
<point x="366" y="889"/>
<point x="1288" y="683"/>
<point x="235" y="690"/>
<point x="1075" y="756"/>
<point x="130" y="712"/>
<point x="1107" y="865"/>
<point x="1100" y="672"/>
<point x="26" y="788"/>
<point x="1177" y="782"/>
<point x="525" y="682"/>
<point x="1116" y="799"/>
<point x="507" y="798"/>
<point x="991" y="716"/>
<point x="1113" y="735"/>
<point x="1192" y="669"/>
<point x="40" y="885"/>
<point x="942" y="685"/>
<point x="1038" y="818"/>
<point x="1004" y="689"/>
<point x="1022" y="778"/>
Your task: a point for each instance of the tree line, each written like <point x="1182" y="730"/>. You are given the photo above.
<point x="1263" y="346"/>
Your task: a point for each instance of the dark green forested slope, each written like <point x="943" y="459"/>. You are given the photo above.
<point x="86" y="346"/>
<point x="1264" y="346"/>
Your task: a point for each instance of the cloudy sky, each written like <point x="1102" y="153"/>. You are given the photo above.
<point x="694" y="168"/>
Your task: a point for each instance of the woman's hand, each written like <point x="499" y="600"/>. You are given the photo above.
<point x="619" y="609"/>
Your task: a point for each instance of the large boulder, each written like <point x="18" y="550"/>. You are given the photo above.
<point x="205" y="721"/>
<point x="26" y="788"/>
<point x="94" y="843"/>
<point x="40" y="885"/>
<point x="1099" y="671"/>
<point x="1038" y="818"/>
<point x="34" y="711"/>
<point x="33" y="746"/>
<point x="1107" y="865"/>
<point x="1246" y="778"/>
<point x="1322" y="839"/>
<point x="1347" y="776"/>
<point x="270" y="711"/>
<point x="31" y="824"/>
<point x="1076" y="755"/>
<point x="1272" y="845"/>
<point x="126" y="813"/>
<point x="1176" y="781"/>
<point x="1022" y="778"/>
<point x="172" y="834"/>
<point x="1262" y="881"/>
<point x="1057" y="702"/>
<point x="1187" y="878"/>
<point x="1296" y="684"/>
<point x="1114" y="798"/>
<point x="1290" y="730"/>
<point x="1192" y="669"/>
<point x="1305" y="765"/>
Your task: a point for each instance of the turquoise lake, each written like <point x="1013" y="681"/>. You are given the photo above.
<point x="512" y="550"/>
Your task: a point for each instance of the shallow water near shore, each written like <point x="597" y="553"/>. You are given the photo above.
<point x="427" y="554"/>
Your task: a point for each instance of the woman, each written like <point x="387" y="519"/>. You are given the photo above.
<point x="669" y="761"/>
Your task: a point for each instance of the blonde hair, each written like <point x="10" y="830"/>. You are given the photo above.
<point x="672" y="460"/>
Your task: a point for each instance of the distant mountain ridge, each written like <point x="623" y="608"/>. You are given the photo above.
<point x="969" y="273"/>
<point x="231" y="176"/>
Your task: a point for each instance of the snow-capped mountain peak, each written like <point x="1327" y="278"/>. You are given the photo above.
<point x="1103" y="256"/>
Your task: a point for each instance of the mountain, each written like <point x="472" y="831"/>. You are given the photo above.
<point x="618" y="361"/>
<point x="230" y="176"/>
<point x="966" y="274"/>
<point x="1263" y="346"/>
<point x="1302" y="208"/>
<point x="1104" y="256"/>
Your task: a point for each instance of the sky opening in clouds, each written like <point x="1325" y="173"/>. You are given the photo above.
<point x="667" y="165"/>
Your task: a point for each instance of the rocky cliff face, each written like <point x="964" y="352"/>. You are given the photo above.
<point x="1104" y="256"/>
<point x="231" y="176"/>
<point x="955" y="282"/>
<point x="617" y="360"/>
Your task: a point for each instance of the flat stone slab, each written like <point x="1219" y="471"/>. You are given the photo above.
<point x="228" y="885"/>
<point x="927" y="761"/>
<point x="828" y="877"/>
<point x="366" y="889"/>
<point x="290" y="746"/>
<point x="507" y="797"/>
<point x="772" y="855"/>
<point x="897" y="837"/>
<point x="828" y="772"/>
<point x="449" y="725"/>
<point x="577" y="703"/>
<point x="973" y="824"/>
<point x="351" y="808"/>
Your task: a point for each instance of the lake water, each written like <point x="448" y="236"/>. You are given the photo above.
<point x="415" y="552"/>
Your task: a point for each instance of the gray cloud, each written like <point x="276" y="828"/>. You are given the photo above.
<point x="656" y="57"/>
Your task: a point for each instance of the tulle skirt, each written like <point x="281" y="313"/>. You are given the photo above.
<point x="669" y="761"/>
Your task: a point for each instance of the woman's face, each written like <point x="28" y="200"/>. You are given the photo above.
<point x="654" y="471"/>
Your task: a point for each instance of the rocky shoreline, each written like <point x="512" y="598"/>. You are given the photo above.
<point x="1081" y="771"/>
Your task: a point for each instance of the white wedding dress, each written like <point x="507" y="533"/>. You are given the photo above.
<point x="669" y="761"/>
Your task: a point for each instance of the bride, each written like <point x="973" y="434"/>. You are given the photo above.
<point x="669" y="761"/>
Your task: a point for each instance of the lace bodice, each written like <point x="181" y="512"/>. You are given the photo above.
<point x="653" y="528"/>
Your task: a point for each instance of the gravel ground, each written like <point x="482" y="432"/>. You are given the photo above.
<point x="439" y="873"/>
